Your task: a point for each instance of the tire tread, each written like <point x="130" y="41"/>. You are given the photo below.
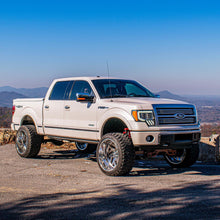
<point x="34" y="142"/>
<point x="127" y="154"/>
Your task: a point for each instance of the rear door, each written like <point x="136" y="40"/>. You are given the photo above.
<point x="54" y="108"/>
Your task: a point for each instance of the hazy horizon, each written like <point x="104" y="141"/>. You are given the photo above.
<point x="166" y="45"/>
<point x="155" y="92"/>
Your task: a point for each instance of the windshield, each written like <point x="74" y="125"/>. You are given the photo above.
<point x="114" y="88"/>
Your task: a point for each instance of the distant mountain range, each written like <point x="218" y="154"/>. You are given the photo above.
<point x="199" y="101"/>
<point x="7" y="94"/>
<point x="208" y="107"/>
<point x="6" y="98"/>
<point x="32" y="93"/>
<point x="168" y="95"/>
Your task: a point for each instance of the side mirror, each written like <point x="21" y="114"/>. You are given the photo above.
<point x="157" y="96"/>
<point x="84" y="97"/>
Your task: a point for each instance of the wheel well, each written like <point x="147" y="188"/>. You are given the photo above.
<point x="114" y="125"/>
<point x="27" y="120"/>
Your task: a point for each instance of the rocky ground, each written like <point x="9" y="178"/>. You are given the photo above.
<point x="7" y="136"/>
<point x="64" y="184"/>
<point x="207" y="146"/>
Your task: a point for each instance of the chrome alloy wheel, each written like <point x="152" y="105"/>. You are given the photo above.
<point x="81" y="146"/>
<point x="108" y="155"/>
<point x="21" y="142"/>
<point x="178" y="158"/>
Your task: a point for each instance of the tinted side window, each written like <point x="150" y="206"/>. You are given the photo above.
<point x="61" y="90"/>
<point x="132" y="89"/>
<point x="80" y="87"/>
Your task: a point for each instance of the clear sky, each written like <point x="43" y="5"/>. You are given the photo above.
<point x="167" y="45"/>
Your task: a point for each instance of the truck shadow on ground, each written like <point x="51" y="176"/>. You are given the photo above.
<point x="156" y="168"/>
<point x="184" y="201"/>
<point x="151" y="167"/>
<point x="64" y="154"/>
<point x="59" y="154"/>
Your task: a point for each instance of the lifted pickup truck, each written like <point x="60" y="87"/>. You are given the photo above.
<point x="115" y="117"/>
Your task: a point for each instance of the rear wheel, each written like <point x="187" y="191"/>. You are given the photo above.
<point x="28" y="142"/>
<point x="184" y="157"/>
<point x="115" y="154"/>
<point x="85" y="147"/>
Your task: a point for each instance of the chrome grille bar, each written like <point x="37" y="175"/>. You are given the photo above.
<point x="175" y="114"/>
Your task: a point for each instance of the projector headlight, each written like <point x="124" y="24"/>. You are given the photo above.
<point x="144" y="116"/>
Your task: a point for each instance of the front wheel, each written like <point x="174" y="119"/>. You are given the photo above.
<point x="184" y="157"/>
<point x="115" y="154"/>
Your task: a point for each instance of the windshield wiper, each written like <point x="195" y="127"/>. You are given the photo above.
<point x="141" y="96"/>
<point x="119" y="95"/>
<point x="115" y="96"/>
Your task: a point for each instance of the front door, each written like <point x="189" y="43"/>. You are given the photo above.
<point x="79" y="118"/>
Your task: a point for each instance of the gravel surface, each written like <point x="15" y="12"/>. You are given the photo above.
<point x="62" y="184"/>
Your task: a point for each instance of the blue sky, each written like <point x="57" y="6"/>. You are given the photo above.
<point x="167" y="45"/>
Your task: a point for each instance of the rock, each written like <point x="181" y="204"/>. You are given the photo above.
<point x="209" y="149"/>
<point x="7" y="136"/>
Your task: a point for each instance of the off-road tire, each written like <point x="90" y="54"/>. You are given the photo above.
<point x="31" y="141"/>
<point x="191" y="156"/>
<point x="124" y="151"/>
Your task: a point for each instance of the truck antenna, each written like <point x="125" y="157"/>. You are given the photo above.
<point x="107" y="68"/>
<point x="109" y="79"/>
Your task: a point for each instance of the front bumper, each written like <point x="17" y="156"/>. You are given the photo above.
<point x="165" y="138"/>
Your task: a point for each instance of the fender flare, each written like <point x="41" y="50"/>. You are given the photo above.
<point x="29" y="113"/>
<point x="113" y="113"/>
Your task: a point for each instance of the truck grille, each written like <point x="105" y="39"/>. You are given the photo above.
<point x="174" y="115"/>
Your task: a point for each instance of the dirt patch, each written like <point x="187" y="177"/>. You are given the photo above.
<point x="66" y="146"/>
<point x="7" y="136"/>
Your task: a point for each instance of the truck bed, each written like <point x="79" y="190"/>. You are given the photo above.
<point x="32" y="107"/>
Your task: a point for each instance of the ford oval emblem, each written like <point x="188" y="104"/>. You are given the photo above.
<point x="179" y="116"/>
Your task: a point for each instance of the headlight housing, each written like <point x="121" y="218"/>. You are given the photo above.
<point x="144" y="116"/>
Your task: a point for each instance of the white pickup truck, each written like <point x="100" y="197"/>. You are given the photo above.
<point x="115" y="117"/>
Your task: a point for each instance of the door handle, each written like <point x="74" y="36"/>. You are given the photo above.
<point x="67" y="107"/>
<point x="46" y="106"/>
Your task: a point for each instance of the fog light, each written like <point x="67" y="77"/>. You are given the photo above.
<point x="149" y="138"/>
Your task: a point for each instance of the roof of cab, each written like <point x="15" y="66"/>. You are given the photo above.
<point x="85" y="78"/>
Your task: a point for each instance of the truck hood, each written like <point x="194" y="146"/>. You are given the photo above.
<point x="143" y="102"/>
